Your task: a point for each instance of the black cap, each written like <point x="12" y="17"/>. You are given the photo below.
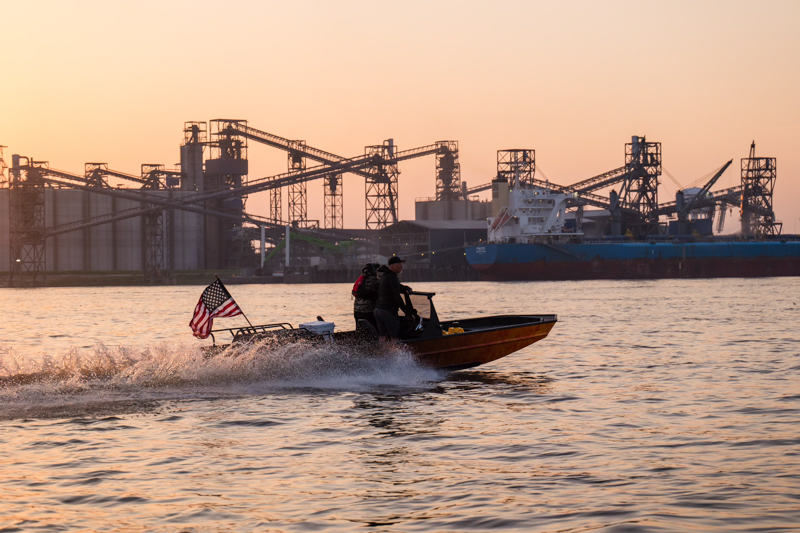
<point x="395" y="259"/>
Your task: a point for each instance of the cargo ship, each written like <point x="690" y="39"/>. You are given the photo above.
<point x="529" y="239"/>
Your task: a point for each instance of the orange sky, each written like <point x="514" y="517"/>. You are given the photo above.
<point x="115" y="81"/>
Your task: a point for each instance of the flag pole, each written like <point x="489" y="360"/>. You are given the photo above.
<point x="240" y="309"/>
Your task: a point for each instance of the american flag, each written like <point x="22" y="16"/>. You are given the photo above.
<point x="214" y="302"/>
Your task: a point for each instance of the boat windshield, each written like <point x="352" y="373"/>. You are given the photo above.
<point x="422" y="303"/>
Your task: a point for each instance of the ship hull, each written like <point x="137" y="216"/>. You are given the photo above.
<point x="508" y="262"/>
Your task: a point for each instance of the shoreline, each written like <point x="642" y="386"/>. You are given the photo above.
<point x="229" y="277"/>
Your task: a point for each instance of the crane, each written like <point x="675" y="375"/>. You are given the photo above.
<point x="682" y="208"/>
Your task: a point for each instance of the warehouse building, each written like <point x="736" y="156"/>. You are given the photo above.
<point x="431" y="244"/>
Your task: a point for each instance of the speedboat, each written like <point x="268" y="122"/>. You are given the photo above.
<point x="447" y="345"/>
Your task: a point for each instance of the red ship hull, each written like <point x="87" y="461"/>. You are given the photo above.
<point x="641" y="269"/>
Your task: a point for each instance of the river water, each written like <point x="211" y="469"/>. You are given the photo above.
<point x="666" y="405"/>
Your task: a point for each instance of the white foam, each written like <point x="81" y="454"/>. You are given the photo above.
<point x="164" y="371"/>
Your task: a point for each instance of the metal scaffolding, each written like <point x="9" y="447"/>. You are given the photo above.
<point x="381" y="187"/>
<point x="758" y="182"/>
<point x="298" y="192"/>
<point x="640" y="187"/>
<point x="27" y="223"/>
<point x="153" y="246"/>
<point x="195" y="132"/>
<point x="228" y="156"/>
<point x="299" y="153"/>
<point x="275" y="214"/>
<point x="96" y="173"/>
<point x="334" y="202"/>
<point x="448" y="172"/>
<point x="3" y="167"/>
<point x="381" y="191"/>
<point x="152" y="175"/>
<point x="515" y="165"/>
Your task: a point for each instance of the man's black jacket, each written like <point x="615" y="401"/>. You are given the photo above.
<point x="390" y="293"/>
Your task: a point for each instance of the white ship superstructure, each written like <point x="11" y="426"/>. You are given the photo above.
<point x="532" y="214"/>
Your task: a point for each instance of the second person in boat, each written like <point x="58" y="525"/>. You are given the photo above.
<point x="390" y="299"/>
<point x="365" y="292"/>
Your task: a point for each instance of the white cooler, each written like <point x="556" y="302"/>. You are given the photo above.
<point x="320" y="328"/>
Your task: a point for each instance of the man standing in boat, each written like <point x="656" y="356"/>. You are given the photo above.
<point x="366" y="293"/>
<point x="390" y="299"/>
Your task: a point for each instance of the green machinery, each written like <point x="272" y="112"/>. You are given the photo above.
<point x="325" y="246"/>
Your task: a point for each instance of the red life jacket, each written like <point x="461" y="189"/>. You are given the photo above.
<point x="357" y="284"/>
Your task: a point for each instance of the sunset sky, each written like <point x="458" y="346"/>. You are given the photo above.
<point x="115" y="81"/>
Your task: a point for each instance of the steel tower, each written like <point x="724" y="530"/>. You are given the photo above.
<point x="640" y="187"/>
<point x="334" y="201"/>
<point x="513" y="165"/>
<point x="758" y="182"/>
<point x="298" y="192"/>
<point x="381" y="188"/>
<point x="275" y="201"/>
<point x="448" y="172"/>
<point x="27" y="223"/>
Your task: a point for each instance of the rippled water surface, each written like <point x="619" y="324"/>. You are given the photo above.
<point x="652" y="406"/>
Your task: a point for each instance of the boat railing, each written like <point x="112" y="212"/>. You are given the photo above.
<point x="248" y="331"/>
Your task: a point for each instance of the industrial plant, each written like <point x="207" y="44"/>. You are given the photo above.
<point x="159" y="224"/>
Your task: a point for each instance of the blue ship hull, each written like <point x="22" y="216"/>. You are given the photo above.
<point x="635" y="260"/>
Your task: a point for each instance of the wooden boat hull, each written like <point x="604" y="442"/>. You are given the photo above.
<point x="479" y="346"/>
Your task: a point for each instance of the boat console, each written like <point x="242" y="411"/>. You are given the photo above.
<point x="426" y="323"/>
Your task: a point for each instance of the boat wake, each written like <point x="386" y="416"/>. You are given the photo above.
<point x="104" y="380"/>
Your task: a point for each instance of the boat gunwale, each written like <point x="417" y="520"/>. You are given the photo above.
<point x="552" y="320"/>
<point x="541" y="320"/>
